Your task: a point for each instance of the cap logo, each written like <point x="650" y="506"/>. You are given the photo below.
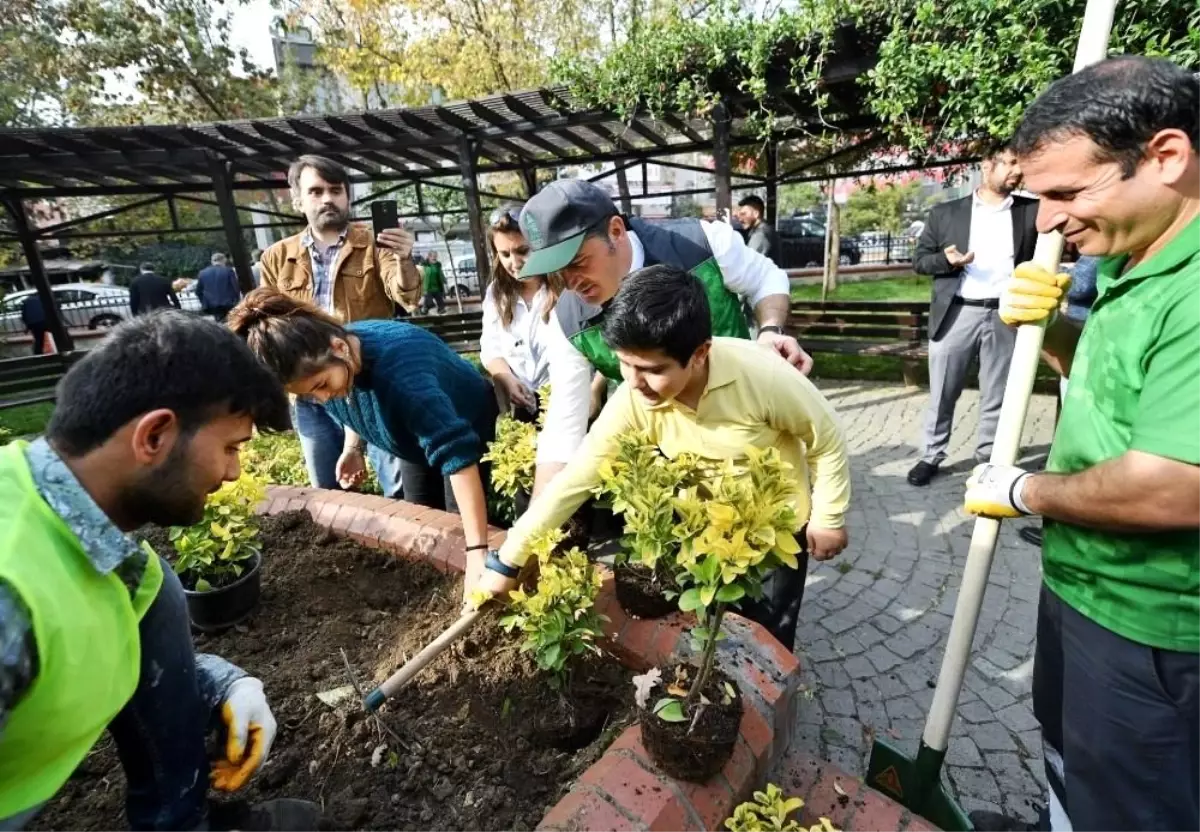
<point x="529" y="227"/>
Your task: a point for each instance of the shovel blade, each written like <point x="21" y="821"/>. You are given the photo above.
<point x="916" y="784"/>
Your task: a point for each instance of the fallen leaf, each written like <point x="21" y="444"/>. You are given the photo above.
<point x="377" y="755"/>
<point x="676" y="690"/>
<point x="644" y="684"/>
<point x="837" y="787"/>
<point x="336" y="696"/>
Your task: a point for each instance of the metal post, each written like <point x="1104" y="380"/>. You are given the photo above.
<point x="772" y="199"/>
<point x="721" y="162"/>
<point x="420" y="200"/>
<point x="223" y="190"/>
<point x="33" y="257"/>
<point x="623" y="191"/>
<point x="466" y="162"/>
<point x="173" y="210"/>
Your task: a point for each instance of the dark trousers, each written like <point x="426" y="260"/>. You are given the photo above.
<point x="1121" y="722"/>
<point x="218" y="313"/>
<point x="779" y="608"/>
<point x="433" y="299"/>
<point x="38" y="333"/>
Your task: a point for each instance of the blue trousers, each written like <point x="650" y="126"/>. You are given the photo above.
<point x="322" y="438"/>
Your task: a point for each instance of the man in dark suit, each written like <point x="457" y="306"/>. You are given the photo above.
<point x="970" y="245"/>
<point x="217" y="288"/>
<point x="150" y="291"/>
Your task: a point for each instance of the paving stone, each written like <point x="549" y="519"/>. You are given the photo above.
<point x="1031" y="743"/>
<point x="976" y="712"/>
<point x="838" y="702"/>
<point x="859" y="668"/>
<point x="976" y="782"/>
<point x="847" y="645"/>
<point x="996" y="697"/>
<point x="992" y="736"/>
<point x="886" y="623"/>
<point x="882" y="658"/>
<point x="1011" y="774"/>
<point x="832" y="674"/>
<point x="889" y="685"/>
<point x="903" y="708"/>
<point x="962" y="751"/>
<point x="820" y="651"/>
<point x="1017" y="718"/>
<point x="844" y="731"/>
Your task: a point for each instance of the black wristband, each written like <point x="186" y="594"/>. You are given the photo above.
<point x="778" y="330"/>
<point x="494" y="563"/>
<point x="477" y="548"/>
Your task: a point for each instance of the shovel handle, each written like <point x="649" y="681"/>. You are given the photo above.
<point x="417" y="663"/>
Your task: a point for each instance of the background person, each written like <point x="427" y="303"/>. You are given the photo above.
<point x="95" y="633"/>
<point x="393" y="384"/>
<point x="433" y="285"/>
<point x="1113" y="152"/>
<point x="760" y="234"/>
<point x="217" y="288"/>
<point x="33" y="315"/>
<point x="150" y="291"/>
<point x="574" y="230"/>
<point x="340" y="268"/>
<point x="970" y="246"/>
<point x="256" y="267"/>
<point x="711" y="397"/>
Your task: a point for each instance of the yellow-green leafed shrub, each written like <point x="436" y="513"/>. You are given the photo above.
<point x="559" y="619"/>
<point x="275" y="458"/>
<point x="768" y="812"/>
<point x="217" y="550"/>
<point x="512" y="455"/>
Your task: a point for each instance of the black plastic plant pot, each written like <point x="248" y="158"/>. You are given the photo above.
<point x="221" y="608"/>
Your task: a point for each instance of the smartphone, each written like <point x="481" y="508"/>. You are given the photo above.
<point x="384" y="214"/>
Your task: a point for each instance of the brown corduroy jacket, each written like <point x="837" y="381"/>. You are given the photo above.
<point x="366" y="278"/>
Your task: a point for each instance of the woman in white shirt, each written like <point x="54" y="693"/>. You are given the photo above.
<point x="513" y="344"/>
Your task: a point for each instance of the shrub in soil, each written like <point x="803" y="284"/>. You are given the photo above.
<point x="642" y="485"/>
<point x="769" y="812"/>
<point x="477" y="741"/>
<point x="733" y="529"/>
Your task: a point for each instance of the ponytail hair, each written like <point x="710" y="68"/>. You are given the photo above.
<point x="293" y="338"/>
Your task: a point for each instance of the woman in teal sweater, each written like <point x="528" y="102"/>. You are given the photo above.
<point x="391" y="384"/>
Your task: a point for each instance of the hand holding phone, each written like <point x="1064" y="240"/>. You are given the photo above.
<point x="388" y="234"/>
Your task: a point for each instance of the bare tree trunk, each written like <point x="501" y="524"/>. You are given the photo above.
<point x="833" y="244"/>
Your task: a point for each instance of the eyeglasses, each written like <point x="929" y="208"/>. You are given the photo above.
<point x="512" y="213"/>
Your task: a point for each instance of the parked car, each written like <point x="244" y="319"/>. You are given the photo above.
<point x="463" y="280"/>
<point x="802" y="244"/>
<point x="91" y="305"/>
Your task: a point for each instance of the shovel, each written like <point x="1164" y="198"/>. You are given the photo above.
<point x="392" y="685"/>
<point x="917" y="783"/>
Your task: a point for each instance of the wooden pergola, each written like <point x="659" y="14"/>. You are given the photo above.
<point x="418" y="147"/>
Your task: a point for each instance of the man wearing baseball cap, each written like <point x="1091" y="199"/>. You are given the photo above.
<point x="576" y="233"/>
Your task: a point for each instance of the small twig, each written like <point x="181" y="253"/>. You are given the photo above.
<point x="337" y="750"/>
<point x="696" y="718"/>
<point x="361" y="696"/>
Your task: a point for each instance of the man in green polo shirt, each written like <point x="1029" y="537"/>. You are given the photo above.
<point x="1112" y="151"/>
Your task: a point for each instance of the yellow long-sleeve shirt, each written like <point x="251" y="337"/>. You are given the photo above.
<point x="753" y="397"/>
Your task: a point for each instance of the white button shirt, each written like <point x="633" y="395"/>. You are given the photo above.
<point x="991" y="239"/>
<point x="746" y="272"/>
<point x="524" y="343"/>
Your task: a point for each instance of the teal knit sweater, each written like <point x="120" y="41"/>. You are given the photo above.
<point x="416" y="398"/>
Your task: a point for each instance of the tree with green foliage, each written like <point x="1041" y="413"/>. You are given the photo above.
<point x="799" y="198"/>
<point x="888" y="207"/>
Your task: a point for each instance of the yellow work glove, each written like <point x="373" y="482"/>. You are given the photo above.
<point x="1032" y="295"/>
<point x="995" y="491"/>
<point x="249" y="732"/>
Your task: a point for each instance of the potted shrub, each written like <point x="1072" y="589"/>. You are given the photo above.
<point x="768" y="812"/>
<point x="561" y="628"/>
<point x="642" y="485"/>
<point x="218" y="560"/>
<point x="733" y="529"/>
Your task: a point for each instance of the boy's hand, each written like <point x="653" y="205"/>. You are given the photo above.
<point x="825" y="543"/>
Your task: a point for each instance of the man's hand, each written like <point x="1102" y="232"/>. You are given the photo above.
<point x="956" y="259"/>
<point x="516" y="391"/>
<point x="995" y="491"/>
<point x="789" y="348"/>
<point x="249" y="733"/>
<point x="399" y="240"/>
<point x="1032" y="295"/>
<point x="825" y="543"/>
<point x="351" y="468"/>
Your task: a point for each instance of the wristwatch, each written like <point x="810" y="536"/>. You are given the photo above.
<point x="778" y="330"/>
<point x="494" y="563"/>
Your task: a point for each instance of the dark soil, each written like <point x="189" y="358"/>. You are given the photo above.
<point x="480" y="740"/>
<point x="687" y="752"/>
<point x="641" y="592"/>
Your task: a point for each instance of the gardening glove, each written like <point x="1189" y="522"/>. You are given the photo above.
<point x="249" y="732"/>
<point x="1032" y="295"/>
<point x="995" y="491"/>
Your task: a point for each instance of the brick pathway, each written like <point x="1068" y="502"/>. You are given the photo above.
<point x="875" y="620"/>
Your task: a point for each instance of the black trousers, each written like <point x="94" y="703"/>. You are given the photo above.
<point x="38" y="333"/>
<point x="779" y="608"/>
<point x="1120" y="722"/>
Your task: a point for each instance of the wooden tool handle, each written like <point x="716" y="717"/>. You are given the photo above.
<point x="417" y="663"/>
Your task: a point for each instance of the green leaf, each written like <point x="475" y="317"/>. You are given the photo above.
<point x="730" y="593"/>
<point x="690" y="600"/>
<point x="203" y="585"/>
<point x="669" y="710"/>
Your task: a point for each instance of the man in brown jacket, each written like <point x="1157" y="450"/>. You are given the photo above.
<point x="344" y="270"/>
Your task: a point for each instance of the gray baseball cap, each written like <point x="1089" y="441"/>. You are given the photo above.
<point x="555" y="220"/>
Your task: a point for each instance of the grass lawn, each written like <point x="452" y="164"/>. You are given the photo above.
<point x="909" y="287"/>
<point x="16" y="422"/>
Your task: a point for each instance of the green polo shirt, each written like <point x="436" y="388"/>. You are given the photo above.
<point x="1135" y="385"/>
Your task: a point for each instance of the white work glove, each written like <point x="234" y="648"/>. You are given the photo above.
<point x="995" y="491"/>
<point x="249" y="733"/>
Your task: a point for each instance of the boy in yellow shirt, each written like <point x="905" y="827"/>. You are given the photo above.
<point x="708" y="396"/>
